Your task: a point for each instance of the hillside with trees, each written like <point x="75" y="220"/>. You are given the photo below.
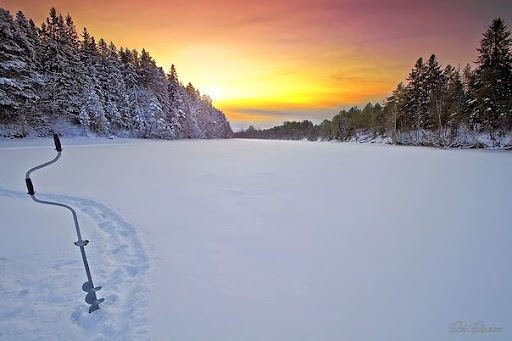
<point x="54" y="80"/>
<point x="436" y="106"/>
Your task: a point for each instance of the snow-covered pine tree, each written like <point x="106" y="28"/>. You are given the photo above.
<point x="193" y="112"/>
<point x="176" y="114"/>
<point x="454" y="101"/>
<point x="90" y="59"/>
<point x="89" y="54"/>
<point x="92" y="115"/>
<point x="397" y="111"/>
<point x="143" y="108"/>
<point x="145" y="70"/>
<point x="113" y="90"/>
<point x="19" y="79"/>
<point x="425" y="104"/>
<point x="418" y="105"/>
<point x="130" y="79"/>
<point x="471" y="104"/>
<point x="33" y="82"/>
<point x="493" y="86"/>
<point x="63" y="71"/>
<point x="152" y="78"/>
<point x="434" y="86"/>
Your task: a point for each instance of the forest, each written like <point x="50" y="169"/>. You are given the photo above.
<point x="54" y="80"/>
<point x="442" y="107"/>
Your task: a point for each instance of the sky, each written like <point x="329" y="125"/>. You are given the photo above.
<point x="267" y="61"/>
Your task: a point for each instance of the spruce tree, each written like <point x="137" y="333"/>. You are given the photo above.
<point x="175" y="91"/>
<point x="493" y="84"/>
<point x="64" y="73"/>
<point x="19" y="79"/>
<point x="397" y="111"/>
<point x="113" y="90"/>
<point x="455" y="106"/>
<point x="418" y="100"/>
<point x="471" y="105"/>
<point x="434" y="87"/>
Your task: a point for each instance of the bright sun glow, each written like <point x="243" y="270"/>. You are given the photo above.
<point x="215" y="92"/>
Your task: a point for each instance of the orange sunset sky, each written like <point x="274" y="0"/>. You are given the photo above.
<point x="267" y="61"/>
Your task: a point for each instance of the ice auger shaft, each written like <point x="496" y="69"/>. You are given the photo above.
<point x="88" y="286"/>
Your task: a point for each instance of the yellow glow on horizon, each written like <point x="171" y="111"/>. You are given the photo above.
<point x="238" y="82"/>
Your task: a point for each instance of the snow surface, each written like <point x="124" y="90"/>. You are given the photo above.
<point x="256" y="240"/>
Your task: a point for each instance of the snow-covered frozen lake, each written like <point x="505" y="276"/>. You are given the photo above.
<point x="257" y="240"/>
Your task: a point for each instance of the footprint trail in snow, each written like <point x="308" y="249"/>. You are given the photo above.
<point x="118" y="263"/>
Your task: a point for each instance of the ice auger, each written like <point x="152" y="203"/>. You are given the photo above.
<point x="88" y="286"/>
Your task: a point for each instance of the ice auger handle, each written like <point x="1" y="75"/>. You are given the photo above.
<point x="30" y="187"/>
<point x="56" y="139"/>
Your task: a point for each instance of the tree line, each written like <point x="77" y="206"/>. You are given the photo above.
<point x="54" y="80"/>
<point x="443" y="107"/>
